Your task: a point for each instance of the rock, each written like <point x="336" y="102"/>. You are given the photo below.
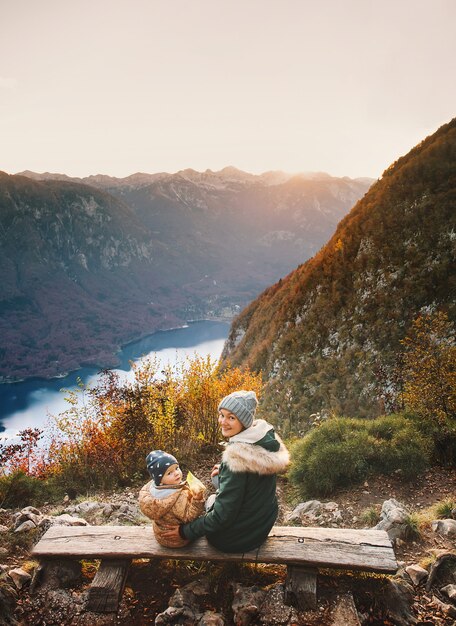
<point x="209" y="618"/>
<point x="397" y="599"/>
<point x="83" y="508"/>
<point x="446" y="527"/>
<point x="394" y="511"/>
<point x="345" y="613"/>
<point x="314" y="511"/>
<point x="393" y="520"/>
<point x="66" y="499"/>
<point x="199" y="587"/>
<point x="20" y="518"/>
<point x="450" y="591"/>
<point x="108" y="510"/>
<point x="416" y="573"/>
<point x="246" y="604"/>
<point x="447" y="609"/>
<point x="20" y="577"/>
<point x="446" y="561"/>
<point x="3" y="529"/>
<point x="67" y="520"/>
<point x="31" y="510"/>
<point x="274" y="610"/>
<point x="57" y="574"/>
<point x="28" y="525"/>
<point x="183" y="607"/>
<point x="3" y="551"/>
<point x="8" y="600"/>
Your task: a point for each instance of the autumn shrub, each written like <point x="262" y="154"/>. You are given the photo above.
<point x="107" y="431"/>
<point x="429" y="381"/>
<point x="343" y="451"/>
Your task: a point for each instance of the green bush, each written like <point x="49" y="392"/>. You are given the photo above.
<point x="343" y="451"/>
<point x="18" y="490"/>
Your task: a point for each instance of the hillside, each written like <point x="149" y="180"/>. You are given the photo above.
<point x="76" y="276"/>
<point x="320" y="334"/>
<point x="86" y="267"/>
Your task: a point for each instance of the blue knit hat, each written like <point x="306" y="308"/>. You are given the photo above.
<point x="158" y="462"/>
<point x="242" y="404"/>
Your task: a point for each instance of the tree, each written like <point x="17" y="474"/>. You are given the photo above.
<point x="430" y="376"/>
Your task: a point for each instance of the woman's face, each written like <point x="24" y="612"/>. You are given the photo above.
<point x="229" y="423"/>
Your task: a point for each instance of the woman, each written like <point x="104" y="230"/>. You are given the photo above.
<point x="245" y="507"/>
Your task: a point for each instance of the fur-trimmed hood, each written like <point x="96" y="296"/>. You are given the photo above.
<point x="248" y="451"/>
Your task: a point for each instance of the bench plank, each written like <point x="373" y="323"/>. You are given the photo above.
<point x="368" y="550"/>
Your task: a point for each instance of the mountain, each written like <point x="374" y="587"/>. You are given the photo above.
<point x="249" y="229"/>
<point x="319" y="334"/>
<point x="86" y="267"/>
<point x="78" y="273"/>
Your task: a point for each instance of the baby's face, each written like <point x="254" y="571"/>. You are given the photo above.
<point x="172" y="476"/>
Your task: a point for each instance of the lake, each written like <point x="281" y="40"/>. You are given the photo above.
<point x="27" y="404"/>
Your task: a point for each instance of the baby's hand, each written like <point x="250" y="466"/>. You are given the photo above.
<point x="199" y="495"/>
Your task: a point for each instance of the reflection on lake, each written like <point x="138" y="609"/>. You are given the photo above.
<point x="27" y="404"/>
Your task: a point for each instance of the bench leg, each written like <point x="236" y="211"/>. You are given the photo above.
<point x="301" y="587"/>
<point x="107" y="587"/>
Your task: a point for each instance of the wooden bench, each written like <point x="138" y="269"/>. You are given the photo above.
<point x="303" y="550"/>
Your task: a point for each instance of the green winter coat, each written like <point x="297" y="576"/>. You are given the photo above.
<point x="245" y="508"/>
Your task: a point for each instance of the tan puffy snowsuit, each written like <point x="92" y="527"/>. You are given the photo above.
<point x="179" y="508"/>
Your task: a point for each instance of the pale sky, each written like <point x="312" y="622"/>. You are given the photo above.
<point x="120" y="86"/>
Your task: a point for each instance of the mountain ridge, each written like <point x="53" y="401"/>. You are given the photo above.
<point x="85" y="268"/>
<point x="319" y="334"/>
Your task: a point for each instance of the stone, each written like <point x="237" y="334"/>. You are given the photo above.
<point x="24" y="527"/>
<point x="393" y="520"/>
<point x="107" y="510"/>
<point x="57" y="574"/>
<point x="3" y="529"/>
<point x="397" y="598"/>
<point x="199" y="587"/>
<point x="8" y="601"/>
<point x="20" y="577"/>
<point x="3" y="550"/>
<point x="394" y="511"/>
<point x="345" y="613"/>
<point x="273" y="610"/>
<point x="246" y="604"/>
<point x="31" y="510"/>
<point x="450" y="591"/>
<point x="447" y="609"/>
<point x="446" y="527"/>
<point x="68" y="520"/>
<point x="445" y="561"/>
<point x="209" y="618"/>
<point x="416" y="573"/>
<point x="20" y="518"/>
<point x="315" y="511"/>
<point x="184" y="609"/>
<point x="303" y="508"/>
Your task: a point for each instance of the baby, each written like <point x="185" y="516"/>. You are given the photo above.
<point x="168" y="500"/>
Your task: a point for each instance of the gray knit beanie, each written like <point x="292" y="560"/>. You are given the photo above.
<point x="242" y="404"/>
<point x="158" y="462"/>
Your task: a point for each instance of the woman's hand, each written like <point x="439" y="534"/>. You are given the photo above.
<point x="172" y="533"/>
<point x="215" y="470"/>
